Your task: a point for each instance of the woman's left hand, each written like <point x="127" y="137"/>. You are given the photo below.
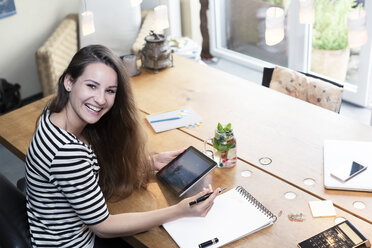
<point x="161" y="159"/>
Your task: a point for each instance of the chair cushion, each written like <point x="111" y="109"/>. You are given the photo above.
<point x="306" y="88"/>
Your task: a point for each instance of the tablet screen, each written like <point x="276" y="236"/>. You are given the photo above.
<point x="186" y="170"/>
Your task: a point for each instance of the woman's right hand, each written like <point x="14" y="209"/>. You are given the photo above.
<point x="199" y="209"/>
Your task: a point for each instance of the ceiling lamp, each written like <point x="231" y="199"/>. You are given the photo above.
<point x="357" y="29"/>
<point x="306" y="12"/>
<point x="87" y="23"/>
<point x="274" y="32"/>
<point x="161" y="18"/>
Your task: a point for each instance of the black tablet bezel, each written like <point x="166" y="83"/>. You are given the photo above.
<point x="193" y="150"/>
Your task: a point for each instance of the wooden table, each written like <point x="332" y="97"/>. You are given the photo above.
<point x="266" y="124"/>
<point x="18" y="126"/>
<point x="268" y="189"/>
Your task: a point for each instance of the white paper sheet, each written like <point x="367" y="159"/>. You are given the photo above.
<point x="187" y="117"/>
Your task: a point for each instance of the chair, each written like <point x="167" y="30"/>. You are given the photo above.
<point x="307" y="87"/>
<point x="21" y="185"/>
<point x="55" y="54"/>
<point x="14" y="229"/>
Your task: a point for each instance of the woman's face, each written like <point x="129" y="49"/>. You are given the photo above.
<point x="92" y="95"/>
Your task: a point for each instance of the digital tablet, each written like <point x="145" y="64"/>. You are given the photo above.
<point x="186" y="170"/>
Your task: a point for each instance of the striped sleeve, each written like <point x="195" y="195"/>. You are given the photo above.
<point x="72" y="171"/>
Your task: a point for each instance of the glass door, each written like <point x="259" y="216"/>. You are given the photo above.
<point x="331" y="55"/>
<point x="237" y="34"/>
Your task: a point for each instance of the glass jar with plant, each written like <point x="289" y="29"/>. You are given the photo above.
<point x="224" y="144"/>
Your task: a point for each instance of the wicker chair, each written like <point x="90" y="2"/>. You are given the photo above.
<point x="55" y="54"/>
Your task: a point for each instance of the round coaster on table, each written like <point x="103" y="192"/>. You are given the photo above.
<point x="265" y="161"/>
<point x="309" y="181"/>
<point x="246" y="173"/>
<point x="290" y="195"/>
<point x="338" y="220"/>
<point x="359" y="205"/>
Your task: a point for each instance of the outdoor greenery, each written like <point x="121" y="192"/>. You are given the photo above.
<point x="280" y="3"/>
<point x="330" y="27"/>
<point x="276" y="2"/>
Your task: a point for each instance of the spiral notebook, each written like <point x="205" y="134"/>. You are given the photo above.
<point x="234" y="215"/>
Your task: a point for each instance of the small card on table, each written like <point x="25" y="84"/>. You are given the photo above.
<point x="322" y="208"/>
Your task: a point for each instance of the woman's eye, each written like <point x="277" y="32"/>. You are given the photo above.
<point x="111" y="91"/>
<point x="92" y="86"/>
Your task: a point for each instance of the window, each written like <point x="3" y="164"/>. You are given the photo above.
<point x="237" y="34"/>
<point x="245" y="33"/>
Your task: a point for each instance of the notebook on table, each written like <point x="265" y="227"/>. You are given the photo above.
<point x="341" y="153"/>
<point x="234" y="215"/>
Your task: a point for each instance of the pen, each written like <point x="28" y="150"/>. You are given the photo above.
<point x="204" y="197"/>
<point x="167" y="119"/>
<point x="208" y="243"/>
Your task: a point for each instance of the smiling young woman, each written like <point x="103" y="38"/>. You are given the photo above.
<point x="89" y="146"/>
<point x="114" y="131"/>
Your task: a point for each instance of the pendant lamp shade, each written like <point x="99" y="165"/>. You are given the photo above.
<point x="357" y="29"/>
<point x="87" y="23"/>
<point x="161" y="17"/>
<point x="274" y="32"/>
<point x="135" y="3"/>
<point x="306" y="11"/>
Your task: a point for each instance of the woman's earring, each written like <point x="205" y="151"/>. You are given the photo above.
<point x="68" y="89"/>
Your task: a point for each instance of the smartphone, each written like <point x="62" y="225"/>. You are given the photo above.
<point x="345" y="173"/>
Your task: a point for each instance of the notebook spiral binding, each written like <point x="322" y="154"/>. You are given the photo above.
<point x="256" y="203"/>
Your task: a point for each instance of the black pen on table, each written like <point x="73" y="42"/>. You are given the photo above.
<point x="204" y="197"/>
<point x="208" y="243"/>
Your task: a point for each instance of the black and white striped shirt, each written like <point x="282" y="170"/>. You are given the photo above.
<point x="63" y="196"/>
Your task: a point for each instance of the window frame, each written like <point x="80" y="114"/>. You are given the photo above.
<point x="299" y="51"/>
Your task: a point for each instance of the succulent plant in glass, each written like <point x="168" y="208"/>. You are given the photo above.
<point x="224" y="143"/>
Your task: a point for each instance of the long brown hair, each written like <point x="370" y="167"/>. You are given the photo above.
<point x="118" y="138"/>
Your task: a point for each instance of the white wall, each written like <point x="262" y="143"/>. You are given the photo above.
<point x="116" y="24"/>
<point x="23" y="33"/>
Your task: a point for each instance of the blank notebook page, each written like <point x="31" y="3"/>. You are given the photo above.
<point x="231" y="217"/>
